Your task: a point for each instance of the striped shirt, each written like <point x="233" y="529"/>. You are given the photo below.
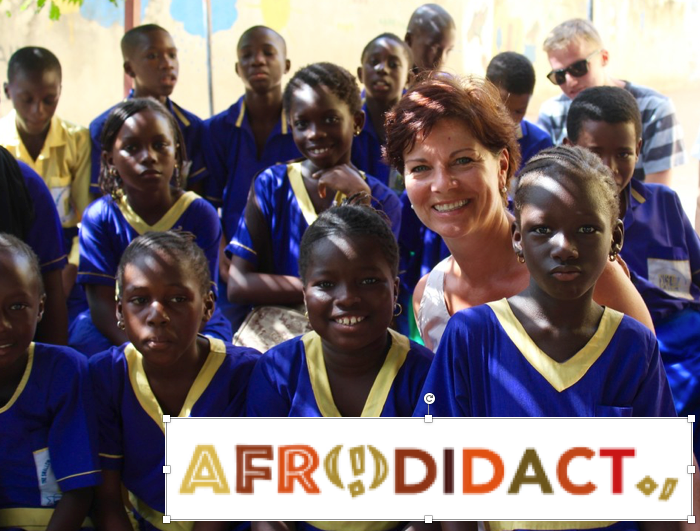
<point x="662" y="135"/>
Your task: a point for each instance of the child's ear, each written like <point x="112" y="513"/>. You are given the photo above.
<point x="618" y="236"/>
<point x="397" y="288"/>
<point x="238" y="71"/>
<point x="287" y="66"/>
<point x="107" y="159"/>
<point x="408" y="38"/>
<point x="6" y="89"/>
<point x="359" y="74"/>
<point x="605" y="55"/>
<point x="128" y="70"/>
<point x="503" y="165"/>
<point x="359" y="120"/>
<point x="517" y="238"/>
<point x="209" y="304"/>
<point x="42" y="305"/>
<point x="639" y="147"/>
<point x="567" y="142"/>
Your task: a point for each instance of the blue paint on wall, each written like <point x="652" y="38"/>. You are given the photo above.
<point x="107" y="14"/>
<point x="191" y="14"/>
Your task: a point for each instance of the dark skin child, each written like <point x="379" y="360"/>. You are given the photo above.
<point x="21" y="308"/>
<point x="144" y="157"/>
<point x="163" y="309"/>
<point x="323" y="127"/>
<point x="154" y="66"/>
<point x="565" y="238"/>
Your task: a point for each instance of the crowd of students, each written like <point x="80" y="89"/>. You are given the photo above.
<point x="132" y="252"/>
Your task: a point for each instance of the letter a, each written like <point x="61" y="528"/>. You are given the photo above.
<point x="205" y="471"/>
<point x="530" y="457"/>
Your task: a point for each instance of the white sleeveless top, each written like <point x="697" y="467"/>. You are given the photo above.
<point x="432" y="312"/>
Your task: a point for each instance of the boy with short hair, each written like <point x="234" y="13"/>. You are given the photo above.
<point x="250" y="136"/>
<point x="578" y="58"/>
<point x="431" y="34"/>
<point x="150" y="58"/>
<point x="661" y="248"/>
<point x="514" y="76"/>
<point x="56" y="149"/>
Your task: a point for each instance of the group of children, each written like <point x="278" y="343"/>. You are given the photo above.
<point x="320" y="231"/>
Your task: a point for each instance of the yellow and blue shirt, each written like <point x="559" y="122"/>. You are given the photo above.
<point x="48" y="437"/>
<point x="132" y="436"/>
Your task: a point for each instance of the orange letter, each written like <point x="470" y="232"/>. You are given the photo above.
<point x="245" y="472"/>
<point x="617" y="454"/>
<point x="401" y="455"/>
<point x="563" y="476"/>
<point x="468" y="486"/>
<point x="288" y="472"/>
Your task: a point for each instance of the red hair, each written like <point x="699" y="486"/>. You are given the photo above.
<point x="474" y="101"/>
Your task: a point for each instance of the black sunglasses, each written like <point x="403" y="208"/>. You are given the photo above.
<point x="577" y="69"/>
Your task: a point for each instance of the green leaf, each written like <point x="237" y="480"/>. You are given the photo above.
<point x="25" y="5"/>
<point x="40" y="3"/>
<point x="55" y="12"/>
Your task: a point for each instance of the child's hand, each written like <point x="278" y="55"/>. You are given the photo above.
<point x="344" y="178"/>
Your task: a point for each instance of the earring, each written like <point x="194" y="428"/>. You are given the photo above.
<point x="398" y="310"/>
<point x="521" y="258"/>
<point x="612" y="256"/>
<point x="306" y="314"/>
<point x="121" y="325"/>
<point x="358" y="130"/>
<point x="176" y="177"/>
<point x="504" y="190"/>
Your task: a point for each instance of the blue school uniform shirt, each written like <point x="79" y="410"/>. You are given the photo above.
<point x="661" y="250"/>
<point x="285" y="205"/>
<point x="108" y="228"/>
<point x="132" y="437"/>
<point x="290" y="380"/>
<point x="233" y="160"/>
<point x="190" y="125"/>
<point x="367" y="151"/>
<point x="532" y="140"/>
<point x="45" y="235"/>
<point x="48" y="436"/>
<point x="487" y="366"/>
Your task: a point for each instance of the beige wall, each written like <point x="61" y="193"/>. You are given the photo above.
<point x="652" y="42"/>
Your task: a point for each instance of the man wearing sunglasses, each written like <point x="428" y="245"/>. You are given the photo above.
<point x="578" y="59"/>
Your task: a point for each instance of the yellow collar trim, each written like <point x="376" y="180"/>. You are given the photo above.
<point x="180" y="116"/>
<point x="155" y="518"/>
<point x="56" y="137"/>
<point x="144" y="393"/>
<point x="164" y="223"/>
<point x="561" y="376"/>
<point x="376" y="399"/>
<point x="302" y="195"/>
<point x="241" y="114"/>
<point x="354" y="526"/>
<point x="637" y="196"/>
<point x="23" y="382"/>
<point x="509" y="526"/>
<point x="283" y="119"/>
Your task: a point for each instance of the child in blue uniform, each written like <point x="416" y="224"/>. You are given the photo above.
<point x="352" y="364"/>
<point x="144" y="162"/>
<point x="661" y="248"/>
<point x="48" y="435"/>
<point x="322" y="101"/>
<point x="385" y="72"/>
<point x="28" y="211"/>
<point x="514" y="76"/>
<point x="165" y="298"/>
<point x="150" y="58"/>
<point x="551" y="350"/>
<point x="248" y="137"/>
